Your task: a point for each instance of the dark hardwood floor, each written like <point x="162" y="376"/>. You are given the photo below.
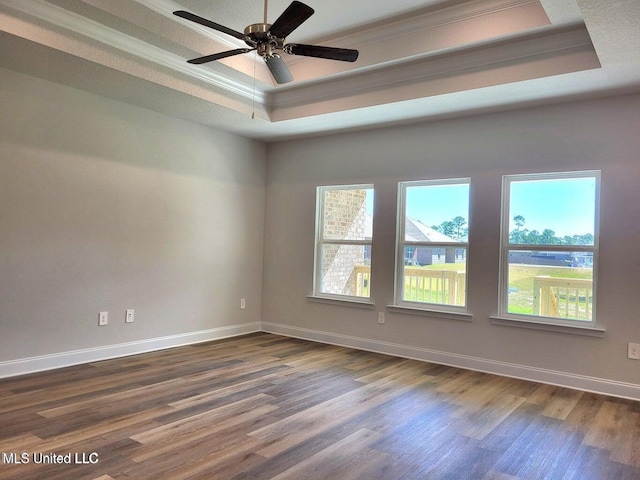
<point x="264" y="406"/>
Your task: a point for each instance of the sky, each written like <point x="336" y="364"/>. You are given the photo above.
<point x="433" y="205"/>
<point x="368" y="203"/>
<point x="566" y="206"/>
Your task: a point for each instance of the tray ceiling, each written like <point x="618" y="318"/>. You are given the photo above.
<point x="419" y="60"/>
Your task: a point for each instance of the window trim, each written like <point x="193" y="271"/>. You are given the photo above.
<point x="318" y="295"/>
<point x="504" y="317"/>
<point x="454" y="311"/>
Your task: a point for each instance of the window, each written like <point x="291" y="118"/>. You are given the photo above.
<point x="549" y="247"/>
<point x="432" y="244"/>
<point x="344" y="226"/>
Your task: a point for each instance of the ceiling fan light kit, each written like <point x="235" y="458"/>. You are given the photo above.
<point x="267" y="39"/>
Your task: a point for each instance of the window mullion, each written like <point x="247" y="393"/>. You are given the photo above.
<point x="435" y="244"/>
<point x="551" y="247"/>
<point x="344" y="242"/>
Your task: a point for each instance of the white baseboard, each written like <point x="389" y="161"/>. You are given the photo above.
<point x="552" y="377"/>
<point x="65" y="359"/>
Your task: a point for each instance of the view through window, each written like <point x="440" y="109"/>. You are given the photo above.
<point x="549" y="246"/>
<point x="433" y="218"/>
<point x="343" y="241"/>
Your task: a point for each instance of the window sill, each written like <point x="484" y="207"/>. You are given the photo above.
<point x="346" y="302"/>
<point x="424" y="312"/>
<point x="549" y="327"/>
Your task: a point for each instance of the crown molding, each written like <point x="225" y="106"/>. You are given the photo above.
<point x="419" y="24"/>
<point x="433" y="17"/>
<point x="167" y="7"/>
<point x="103" y="35"/>
<point x="409" y="78"/>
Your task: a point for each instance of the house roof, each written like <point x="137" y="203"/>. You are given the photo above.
<point x="417" y="231"/>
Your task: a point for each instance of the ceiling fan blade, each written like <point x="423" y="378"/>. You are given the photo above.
<point x="291" y="18"/>
<point x="331" y="53"/>
<point x="218" y="56"/>
<point x="278" y="69"/>
<point x="208" y="23"/>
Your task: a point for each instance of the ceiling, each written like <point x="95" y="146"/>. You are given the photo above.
<point x="419" y="59"/>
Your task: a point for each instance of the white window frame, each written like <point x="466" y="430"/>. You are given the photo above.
<point x="505" y="247"/>
<point x="401" y="243"/>
<point x="320" y="242"/>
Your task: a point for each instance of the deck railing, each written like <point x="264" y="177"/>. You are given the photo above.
<point x="362" y="279"/>
<point x="422" y="285"/>
<point x="563" y="297"/>
<point x="434" y="286"/>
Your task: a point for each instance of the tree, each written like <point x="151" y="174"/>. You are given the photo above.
<point x="452" y="228"/>
<point x="517" y="235"/>
<point x="548" y="237"/>
<point x="586" y="239"/>
<point x="448" y="228"/>
<point x="523" y="236"/>
<point x="531" y="238"/>
<point x="519" y="221"/>
<point x="458" y="223"/>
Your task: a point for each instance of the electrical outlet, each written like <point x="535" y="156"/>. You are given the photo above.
<point x="129" y="316"/>
<point x="380" y="317"/>
<point x="634" y="351"/>
<point x="243" y="303"/>
<point x="103" y="319"/>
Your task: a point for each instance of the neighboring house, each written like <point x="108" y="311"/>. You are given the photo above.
<point x="557" y="259"/>
<point x="417" y="231"/>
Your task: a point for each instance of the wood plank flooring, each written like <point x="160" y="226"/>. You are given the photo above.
<point x="263" y="406"/>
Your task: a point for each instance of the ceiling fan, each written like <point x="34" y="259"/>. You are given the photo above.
<point x="267" y="38"/>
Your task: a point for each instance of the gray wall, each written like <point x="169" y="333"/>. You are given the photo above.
<point x="105" y="206"/>
<point x="598" y="134"/>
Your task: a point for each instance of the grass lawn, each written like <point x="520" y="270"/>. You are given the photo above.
<point x="445" y="266"/>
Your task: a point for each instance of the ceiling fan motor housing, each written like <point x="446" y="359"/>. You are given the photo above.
<point x="258" y="36"/>
<point x="258" y="31"/>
